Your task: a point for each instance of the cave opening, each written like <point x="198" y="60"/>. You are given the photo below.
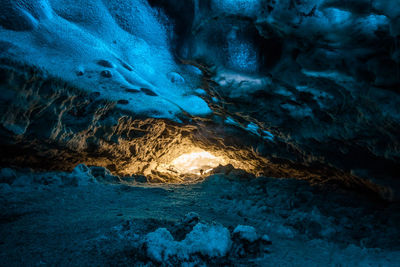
<point x="182" y="158"/>
<point x="197" y="162"/>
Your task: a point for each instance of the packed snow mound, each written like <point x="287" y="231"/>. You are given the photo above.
<point x="207" y="240"/>
<point x="117" y="48"/>
<point x="83" y="175"/>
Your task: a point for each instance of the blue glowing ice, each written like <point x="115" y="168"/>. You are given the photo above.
<point x="240" y="7"/>
<point x="70" y="37"/>
<point x="255" y="129"/>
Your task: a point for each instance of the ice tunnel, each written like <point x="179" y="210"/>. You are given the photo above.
<point x="95" y="84"/>
<point x="284" y="101"/>
<point x="110" y="83"/>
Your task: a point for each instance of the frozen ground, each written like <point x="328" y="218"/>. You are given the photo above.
<point x="91" y="218"/>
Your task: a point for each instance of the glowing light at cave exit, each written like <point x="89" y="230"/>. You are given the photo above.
<point x="199" y="162"/>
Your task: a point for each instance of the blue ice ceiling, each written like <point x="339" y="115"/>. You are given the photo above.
<point x="300" y="73"/>
<point x="118" y="48"/>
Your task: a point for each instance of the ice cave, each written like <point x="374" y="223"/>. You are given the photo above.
<point x="199" y="133"/>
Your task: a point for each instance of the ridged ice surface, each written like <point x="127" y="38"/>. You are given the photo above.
<point x="112" y="47"/>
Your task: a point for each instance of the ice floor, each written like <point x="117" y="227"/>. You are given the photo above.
<point x="76" y="219"/>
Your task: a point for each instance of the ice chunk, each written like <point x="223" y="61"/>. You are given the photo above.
<point x="246" y="232"/>
<point x="83" y="174"/>
<point x="204" y="239"/>
<point x="337" y="16"/>
<point x="191" y="217"/>
<point x="160" y="245"/>
<point x="208" y="240"/>
<point x="267" y="135"/>
<point x="253" y="128"/>
<point x="266" y="238"/>
<point x="231" y="121"/>
<point x="371" y="23"/>
<point x="239" y="84"/>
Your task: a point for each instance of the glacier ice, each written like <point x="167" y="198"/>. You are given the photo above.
<point x="246" y="232"/>
<point x="207" y="240"/>
<point x="103" y="46"/>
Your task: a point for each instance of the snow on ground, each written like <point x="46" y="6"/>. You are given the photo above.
<point x="246" y="232"/>
<point x="53" y="219"/>
<point x="207" y="240"/>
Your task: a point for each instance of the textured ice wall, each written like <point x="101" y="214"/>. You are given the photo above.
<point x="117" y="48"/>
<point x="323" y="76"/>
<point x="238" y="7"/>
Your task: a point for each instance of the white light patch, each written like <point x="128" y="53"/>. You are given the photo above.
<point x="199" y="162"/>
